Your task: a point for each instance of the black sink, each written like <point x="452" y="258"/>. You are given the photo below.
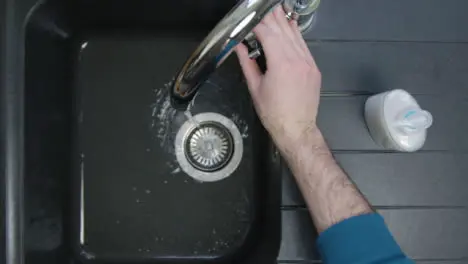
<point x="101" y="183"/>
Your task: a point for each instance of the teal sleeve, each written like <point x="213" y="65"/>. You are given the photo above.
<point x="363" y="239"/>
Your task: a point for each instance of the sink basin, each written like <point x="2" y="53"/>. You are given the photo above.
<point x="102" y="182"/>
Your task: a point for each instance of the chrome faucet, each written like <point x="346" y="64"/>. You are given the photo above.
<point x="234" y="28"/>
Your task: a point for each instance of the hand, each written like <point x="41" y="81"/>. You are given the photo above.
<point x="287" y="96"/>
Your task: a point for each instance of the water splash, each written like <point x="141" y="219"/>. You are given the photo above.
<point x="176" y="170"/>
<point x="163" y="115"/>
<point x="241" y="124"/>
<point x="167" y="120"/>
<point x="189" y="116"/>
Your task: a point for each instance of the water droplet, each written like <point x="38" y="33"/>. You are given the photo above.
<point x="134" y="189"/>
<point x="87" y="255"/>
<point x="165" y="182"/>
<point x="117" y="221"/>
<point x="84" y="45"/>
<point x="190" y="117"/>
<point x="148" y="191"/>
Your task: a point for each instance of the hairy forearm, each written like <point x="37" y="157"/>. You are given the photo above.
<point x="327" y="190"/>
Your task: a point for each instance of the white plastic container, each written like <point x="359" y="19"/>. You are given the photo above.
<point x="396" y="121"/>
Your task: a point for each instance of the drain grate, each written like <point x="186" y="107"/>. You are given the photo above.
<point x="209" y="146"/>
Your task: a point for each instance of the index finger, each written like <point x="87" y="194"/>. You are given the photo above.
<point x="268" y="33"/>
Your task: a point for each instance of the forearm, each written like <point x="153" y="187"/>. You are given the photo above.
<point x="349" y="230"/>
<point x="327" y="190"/>
<point x="286" y="98"/>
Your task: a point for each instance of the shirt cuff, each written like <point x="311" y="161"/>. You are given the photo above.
<point x="359" y="239"/>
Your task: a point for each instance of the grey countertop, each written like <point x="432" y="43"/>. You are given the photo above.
<point x="365" y="47"/>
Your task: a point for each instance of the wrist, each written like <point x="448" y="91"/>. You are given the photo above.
<point x="309" y="142"/>
<point x="307" y="156"/>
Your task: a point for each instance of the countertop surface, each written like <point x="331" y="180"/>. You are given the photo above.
<point x="364" y="47"/>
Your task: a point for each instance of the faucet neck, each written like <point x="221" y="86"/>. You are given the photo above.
<point x="219" y="44"/>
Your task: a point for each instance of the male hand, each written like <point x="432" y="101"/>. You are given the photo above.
<point x="287" y="96"/>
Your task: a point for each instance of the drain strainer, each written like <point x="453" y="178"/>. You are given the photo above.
<point x="209" y="147"/>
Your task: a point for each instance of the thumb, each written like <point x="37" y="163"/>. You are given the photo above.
<point x="252" y="72"/>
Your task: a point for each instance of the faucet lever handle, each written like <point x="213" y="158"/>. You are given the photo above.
<point x="301" y="10"/>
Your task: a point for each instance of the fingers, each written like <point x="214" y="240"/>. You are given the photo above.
<point x="268" y="33"/>
<point x="269" y="20"/>
<point x="278" y="38"/>
<point x="297" y="33"/>
<point x="252" y="72"/>
<point x="282" y="40"/>
<point x="302" y="43"/>
<point x="282" y="22"/>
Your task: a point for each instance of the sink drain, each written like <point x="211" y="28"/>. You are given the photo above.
<point x="209" y="147"/>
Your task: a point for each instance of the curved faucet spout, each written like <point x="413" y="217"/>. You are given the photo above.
<point x="219" y="44"/>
